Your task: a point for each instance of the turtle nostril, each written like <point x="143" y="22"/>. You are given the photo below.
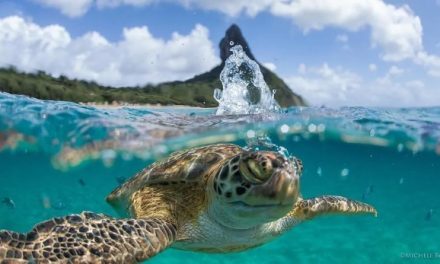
<point x="261" y="170"/>
<point x="256" y="171"/>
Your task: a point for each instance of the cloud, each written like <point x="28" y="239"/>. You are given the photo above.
<point x="395" y="71"/>
<point x="115" y="3"/>
<point x="271" y="66"/>
<point x="336" y="86"/>
<point x="324" y="85"/>
<point x="343" y="38"/>
<point x="429" y="61"/>
<point x="302" y="68"/>
<point x="372" y="67"/>
<point x="71" y="8"/>
<point x="229" y="7"/>
<point x="138" y="58"/>
<point x="396" y="30"/>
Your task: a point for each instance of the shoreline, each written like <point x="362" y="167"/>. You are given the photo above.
<point x="130" y="105"/>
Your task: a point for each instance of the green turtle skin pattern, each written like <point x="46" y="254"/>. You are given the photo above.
<point x="327" y="204"/>
<point x="87" y="238"/>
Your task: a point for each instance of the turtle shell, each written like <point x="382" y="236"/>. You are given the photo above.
<point x="191" y="165"/>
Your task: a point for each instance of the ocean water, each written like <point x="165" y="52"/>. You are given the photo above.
<point x="58" y="158"/>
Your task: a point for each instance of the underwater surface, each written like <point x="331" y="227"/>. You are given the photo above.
<point x="58" y="158"/>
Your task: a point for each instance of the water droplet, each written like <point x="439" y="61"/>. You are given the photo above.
<point x="127" y="156"/>
<point x="372" y="132"/>
<point x="400" y="147"/>
<point x="231" y="43"/>
<point x="429" y="214"/>
<point x="297" y="127"/>
<point x="217" y="94"/>
<point x="321" y="128"/>
<point x="312" y="128"/>
<point x="250" y="134"/>
<point x="46" y="202"/>
<point x="401" y="181"/>
<point x="345" y="172"/>
<point x="319" y="171"/>
<point x="284" y="129"/>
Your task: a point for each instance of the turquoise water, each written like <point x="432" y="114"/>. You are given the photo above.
<point x="58" y="158"/>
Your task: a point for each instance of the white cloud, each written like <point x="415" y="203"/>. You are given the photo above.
<point x="396" y="30"/>
<point x="323" y="85"/>
<point x="343" y="38"/>
<point x="329" y="86"/>
<point x="372" y="67"/>
<point x="71" y="8"/>
<point x="271" y="66"/>
<point x="229" y="7"/>
<point x="431" y="62"/>
<point x="115" y="3"/>
<point x="395" y="71"/>
<point x="302" y="68"/>
<point x="138" y="58"/>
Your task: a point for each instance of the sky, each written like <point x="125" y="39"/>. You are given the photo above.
<point x="333" y="53"/>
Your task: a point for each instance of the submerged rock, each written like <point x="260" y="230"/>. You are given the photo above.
<point x="8" y="202"/>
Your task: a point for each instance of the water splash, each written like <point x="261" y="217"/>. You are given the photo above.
<point x="264" y="142"/>
<point x="244" y="88"/>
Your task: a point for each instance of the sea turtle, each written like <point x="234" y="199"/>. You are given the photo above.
<point x="216" y="198"/>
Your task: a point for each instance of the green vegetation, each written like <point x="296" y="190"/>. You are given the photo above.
<point x="197" y="91"/>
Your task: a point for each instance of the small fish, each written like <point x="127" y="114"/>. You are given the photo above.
<point x="429" y="215"/>
<point x="8" y="202"/>
<point x="81" y="182"/>
<point x="59" y="205"/>
<point x="121" y="179"/>
<point x="319" y="171"/>
<point x="368" y="191"/>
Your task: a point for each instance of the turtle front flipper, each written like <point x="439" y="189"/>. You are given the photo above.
<point x="88" y="238"/>
<point x="310" y="208"/>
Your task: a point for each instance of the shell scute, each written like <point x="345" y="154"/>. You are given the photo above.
<point x="191" y="165"/>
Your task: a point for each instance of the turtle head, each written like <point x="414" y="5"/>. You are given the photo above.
<point x="254" y="187"/>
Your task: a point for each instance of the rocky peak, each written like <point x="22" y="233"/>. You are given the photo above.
<point x="233" y="34"/>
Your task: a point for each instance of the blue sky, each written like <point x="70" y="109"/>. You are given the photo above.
<point x="379" y="53"/>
